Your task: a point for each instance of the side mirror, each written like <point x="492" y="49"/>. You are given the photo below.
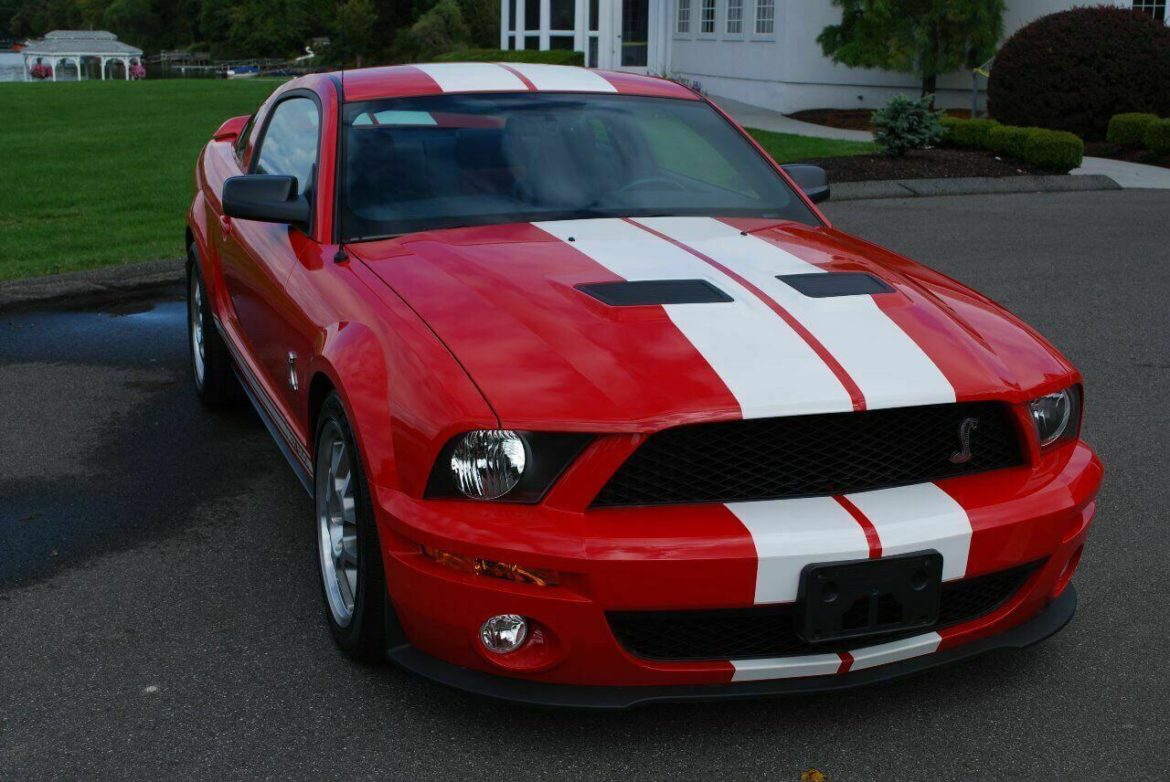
<point x="811" y="179"/>
<point x="269" y="199"/>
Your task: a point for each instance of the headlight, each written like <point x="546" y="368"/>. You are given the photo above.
<point x="1056" y="416"/>
<point x="488" y="463"/>
<point x="500" y="464"/>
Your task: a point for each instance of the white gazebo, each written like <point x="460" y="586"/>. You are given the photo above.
<point x="61" y="49"/>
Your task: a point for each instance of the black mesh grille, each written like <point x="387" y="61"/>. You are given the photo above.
<point x="768" y="631"/>
<point x="812" y="455"/>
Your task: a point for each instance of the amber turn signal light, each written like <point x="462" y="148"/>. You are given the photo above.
<point x="491" y="568"/>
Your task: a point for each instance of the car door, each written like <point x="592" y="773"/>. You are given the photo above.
<point x="258" y="257"/>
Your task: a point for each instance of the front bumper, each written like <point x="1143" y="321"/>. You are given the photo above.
<point x="1048" y="622"/>
<point x="700" y="557"/>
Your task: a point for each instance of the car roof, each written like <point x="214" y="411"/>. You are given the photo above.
<point x="397" y="81"/>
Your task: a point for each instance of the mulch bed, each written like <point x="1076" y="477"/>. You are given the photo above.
<point x="1115" y="152"/>
<point x="851" y="119"/>
<point x="919" y="164"/>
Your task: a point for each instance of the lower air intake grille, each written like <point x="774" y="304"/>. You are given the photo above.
<point x="814" y="455"/>
<point x="768" y="631"/>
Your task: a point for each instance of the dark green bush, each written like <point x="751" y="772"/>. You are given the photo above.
<point x="1009" y="140"/>
<point x="1158" y="137"/>
<point x="1129" y="129"/>
<point x="1075" y="69"/>
<point x="906" y="123"/>
<point x="1057" y="151"/>
<point x="552" y="57"/>
<point x="966" y="133"/>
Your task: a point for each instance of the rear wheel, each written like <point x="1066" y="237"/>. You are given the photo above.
<point x="353" y="582"/>
<point x="211" y="364"/>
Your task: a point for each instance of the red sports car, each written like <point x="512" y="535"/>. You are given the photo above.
<point x="597" y="408"/>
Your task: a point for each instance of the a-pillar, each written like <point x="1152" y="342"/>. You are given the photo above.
<point x="126" y="67"/>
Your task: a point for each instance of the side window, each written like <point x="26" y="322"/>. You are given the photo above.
<point x="242" y="140"/>
<point x="289" y="145"/>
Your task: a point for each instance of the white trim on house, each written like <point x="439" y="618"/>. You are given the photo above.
<point x="773" y="61"/>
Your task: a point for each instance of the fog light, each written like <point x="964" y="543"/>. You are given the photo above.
<point x="504" y="633"/>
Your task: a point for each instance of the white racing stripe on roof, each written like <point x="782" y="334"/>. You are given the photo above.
<point x="917" y="518"/>
<point x="562" y="78"/>
<point x="889" y="367"/>
<point x="789" y="534"/>
<point x="784" y="667"/>
<point x="768" y="367"/>
<point x="473" y="77"/>
<point x="882" y="654"/>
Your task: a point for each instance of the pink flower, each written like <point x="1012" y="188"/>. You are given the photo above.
<point x="40" y="71"/>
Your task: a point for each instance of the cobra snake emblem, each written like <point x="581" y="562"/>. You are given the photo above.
<point x="963" y="455"/>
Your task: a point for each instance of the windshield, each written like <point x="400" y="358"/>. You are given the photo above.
<point x="442" y="161"/>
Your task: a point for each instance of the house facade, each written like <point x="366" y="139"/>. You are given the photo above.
<point x="762" y="52"/>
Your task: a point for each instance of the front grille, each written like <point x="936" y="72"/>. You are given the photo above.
<point x="769" y="631"/>
<point x="812" y="455"/>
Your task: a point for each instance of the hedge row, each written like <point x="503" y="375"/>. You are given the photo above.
<point x="551" y="57"/>
<point x="1048" y="150"/>
<point x="1137" y="130"/>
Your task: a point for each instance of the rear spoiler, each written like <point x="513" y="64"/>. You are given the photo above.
<point x="231" y="129"/>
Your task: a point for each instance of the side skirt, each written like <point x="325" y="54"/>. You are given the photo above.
<point x="257" y="398"/>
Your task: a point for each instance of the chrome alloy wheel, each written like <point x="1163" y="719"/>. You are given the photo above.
<point x="337" y="523"/>
<point x="195" y="316"/>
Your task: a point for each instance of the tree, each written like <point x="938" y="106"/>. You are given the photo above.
<point x="353" y="31"/>
<point x="923" y="37"/>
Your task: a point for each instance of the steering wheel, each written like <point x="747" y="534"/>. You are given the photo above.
<point x="652" y="180"/>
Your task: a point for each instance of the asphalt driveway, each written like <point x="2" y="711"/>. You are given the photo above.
<point x="159" y="615"/>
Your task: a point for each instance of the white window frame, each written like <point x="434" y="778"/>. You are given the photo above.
<point x="682" y="21"/>
<point x="711" y="7"/>
<point x="757" y="6"/>
<point x="1152" y="7"/>
<point x="727" y="20"/>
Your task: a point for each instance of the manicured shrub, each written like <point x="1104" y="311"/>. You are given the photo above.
<point x="1008" y="140"/>
<point x="1075" y="69"/>
<point x="552" y="57"/>
<point x="1129" y="129"/>
<point x="906" y="123"/>
<point x="1158" y="137"/>
<point x="966" y="133"/>
<point x="1057" y="151"/>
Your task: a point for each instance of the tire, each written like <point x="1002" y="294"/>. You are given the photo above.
<point x="211" y="363"/>
<point x="349" y="557"/>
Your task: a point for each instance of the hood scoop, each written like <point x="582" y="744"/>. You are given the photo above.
<point x="641" y="293"/>
<point x="827" y="285"/>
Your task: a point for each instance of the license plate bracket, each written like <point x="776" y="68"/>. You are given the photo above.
<point x="854" y="599"/>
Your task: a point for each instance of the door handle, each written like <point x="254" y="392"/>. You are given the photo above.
<point x="225" y="224"/>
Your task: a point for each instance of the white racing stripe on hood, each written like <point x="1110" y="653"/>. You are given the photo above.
<point x="917" y="518"/>
<point x="473" y="77"/>
<point x="561" y="78"/>
<point x="789" y="534"/>
<point x="768" y="367"/>
<point x="889" y="367"/>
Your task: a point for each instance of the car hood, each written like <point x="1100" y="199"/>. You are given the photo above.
<point x="881" y="332"/>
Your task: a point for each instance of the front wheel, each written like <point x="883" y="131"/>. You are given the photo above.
<point x="352" y="580"/>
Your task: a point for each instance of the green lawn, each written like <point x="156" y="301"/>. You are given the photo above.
<point x="100" y="173"/>
<point x="787" y="147"/>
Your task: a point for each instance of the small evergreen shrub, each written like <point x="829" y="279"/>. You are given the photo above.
<point x="1008" y="140"/>
<point x="906" y="123"/>
<point x="1057" y="151"/>
<point x="1158" y="137"/>
<point x="966" y="133"/>
<point x="1129" y="129"/>
<point x="551" y="57"/>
